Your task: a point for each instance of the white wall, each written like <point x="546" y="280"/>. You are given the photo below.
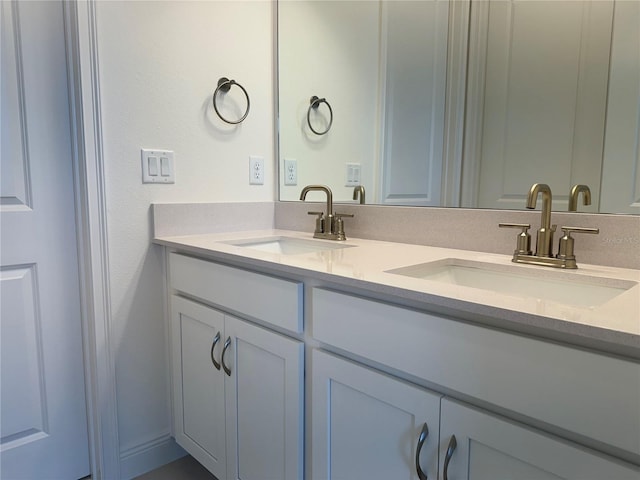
<point x="159" y="63"/>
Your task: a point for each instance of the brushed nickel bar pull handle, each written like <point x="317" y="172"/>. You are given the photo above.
<point x="216" y="339"/>
<point x="224" y="350"/>
<point x="421" y="439"/>
<point x="447" y="458"/>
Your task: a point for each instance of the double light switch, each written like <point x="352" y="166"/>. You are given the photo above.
<point x="157" y="166"/>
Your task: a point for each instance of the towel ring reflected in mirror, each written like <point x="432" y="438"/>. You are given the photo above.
<point x="224" y="85"/>
<point x="314" y="104"/>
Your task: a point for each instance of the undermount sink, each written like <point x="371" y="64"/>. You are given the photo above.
<point x="287" y="245"/>
<point x="558" y="287"/>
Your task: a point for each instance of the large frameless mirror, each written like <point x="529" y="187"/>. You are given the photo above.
<point x="461" y="103"/>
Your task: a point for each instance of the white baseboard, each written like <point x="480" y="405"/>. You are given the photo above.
<point x="148" y="456"/>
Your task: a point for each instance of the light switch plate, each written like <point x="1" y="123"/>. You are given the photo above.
<point x="352" y="175"/>
<point x="157" y="166"/>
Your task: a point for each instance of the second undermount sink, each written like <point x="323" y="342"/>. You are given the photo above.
<point x="287" y="245"/>
<point x="558" y="287"/>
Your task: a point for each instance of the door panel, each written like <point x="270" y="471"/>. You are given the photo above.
<point x="202" y="385"/>
<point x="15" y="183"/>
<point x="414" y="101"/>
<point x="198" y="386"/>
<point x="490" y="447"/>
<point x="366" y="424"/>
<point x="544" y="98"/>
<point x="42" y="382"/>
<point x="24" y="406"/>
<point x="621" y="165"/>
<point x="486" y="462"/>
<point x="264" y="403"/>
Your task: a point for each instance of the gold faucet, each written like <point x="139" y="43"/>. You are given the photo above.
<point x="573" y="197"/>
<point x="544" y="253"/>
<point x="359" y="191"/>
<point x="331" y="226"/>
<point x="545" y="232"/>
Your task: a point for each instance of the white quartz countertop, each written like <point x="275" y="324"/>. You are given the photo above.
<point x="613" y="326"/>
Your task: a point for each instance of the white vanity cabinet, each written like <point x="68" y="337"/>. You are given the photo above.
<point x="585" y="393"/>
<point x="531" y="406"/>
<point x="369" y="425"/>
<point x="488" y="448"/>
<point x="238" y="388"/>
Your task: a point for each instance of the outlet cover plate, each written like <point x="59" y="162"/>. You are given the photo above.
<point x="256" y="170"/>
<point x="290" y="171"/>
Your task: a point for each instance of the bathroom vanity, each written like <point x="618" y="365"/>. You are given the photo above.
<point x="299" y="358"/>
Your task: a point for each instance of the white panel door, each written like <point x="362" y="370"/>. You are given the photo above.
<point x="415" y="61"/>
<point x="367" y="425"/>
<point x="621" y="164"/>
<point x="43" y="424"/>
<point x="198" y="383"/>
<point x="542" y="68"/>
<point x="490" y="448"/>
<point x="264" y="403"/>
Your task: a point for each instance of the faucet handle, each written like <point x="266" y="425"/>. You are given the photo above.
<point x="340" y="224"/>
<point x="524" y="226"/>
<point x="568" y="230"/>
<point x="319" y="221"/>
<point x="565" y="248"/>
<point x="524" y="238"/>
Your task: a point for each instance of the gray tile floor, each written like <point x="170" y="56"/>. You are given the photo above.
<point x="186" y="468"/>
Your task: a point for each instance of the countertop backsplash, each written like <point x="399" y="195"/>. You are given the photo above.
<point x="617" y="244"/>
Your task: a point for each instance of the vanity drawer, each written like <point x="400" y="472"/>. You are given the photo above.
<point x="594" y="395"/>
<point x="254" y="295"/>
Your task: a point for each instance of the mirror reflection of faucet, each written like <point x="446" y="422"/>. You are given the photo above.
<point x="543" y="255"/>
<point x="358" y="191"/>
<point x="329" y="226"/>
<point x="573" y="196"/>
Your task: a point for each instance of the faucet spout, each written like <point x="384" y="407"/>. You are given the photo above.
<point x="546" y="202"/>
<point x="573" y="197"/>
<point x="358" y="191"/>
<point x="545" y="233"/>
<point x="321" y="188"/>
<point x="328" y="222"/>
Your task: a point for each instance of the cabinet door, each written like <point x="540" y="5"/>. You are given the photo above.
<point x="198" y="386"/>
<point x="367" y="425"/>
<point x="264" y="403"/>
<point x="489" y="447"/>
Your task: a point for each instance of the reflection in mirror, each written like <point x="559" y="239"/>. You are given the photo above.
<point x="462" y="103"/>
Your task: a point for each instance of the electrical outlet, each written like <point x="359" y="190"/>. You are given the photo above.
<point x="352" y="175"/>
<point x="290" y="171"/>
<point x="256" y="170"/>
